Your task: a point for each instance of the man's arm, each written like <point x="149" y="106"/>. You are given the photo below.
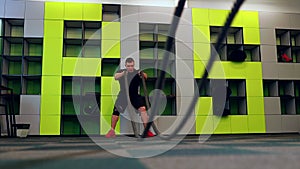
<point x="118" y="75"/>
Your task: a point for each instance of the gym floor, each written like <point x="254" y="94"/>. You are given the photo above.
<point x="274" y="151"/>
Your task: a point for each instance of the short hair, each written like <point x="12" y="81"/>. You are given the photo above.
<point x="129" y="60"/>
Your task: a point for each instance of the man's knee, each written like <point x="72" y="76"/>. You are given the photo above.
<point x="142" y="109"/>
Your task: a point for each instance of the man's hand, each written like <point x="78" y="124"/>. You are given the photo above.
<point x="143" y="74"/>
<point x="119" y="75"/>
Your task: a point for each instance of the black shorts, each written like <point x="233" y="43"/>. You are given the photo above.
<point x="121" y="103"/>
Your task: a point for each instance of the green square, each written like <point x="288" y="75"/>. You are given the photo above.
<point x="200" y="16"/>
<point x="70" y="126"/>
<point x="73" y="51"/>
<point x="255" y="105"/>
<point x="204" y="125"/>
<point x="251" y="36"/>
<point x="54" y="10"/>
<point x="254" y="70"/>
<point x="239" y="124"/>
<point x="73" y="33"/>
<point x="219" y="70"/>
<point x="109" y="86"/>
<point x="201" y="34"/>
<point x="111" y="30"/>
<point x="33" y="87"/>
<point x="92" y="51"/>
<point x="52" y="56"/>
<point x="236" y="70"/>
<point x="92" y="12"/>
<point x="49" y="125"/>
<point x="17" y="31"/>
<point x="73" y="11"/>
<point x="251" y="19"/>
<point x="107" y="105"/>
<point x="53" y="29"/>
<point x="204" y="106"/>
<point x="15" y="68"/>
<point x="51" y="85"/>
<point x="15" y="84"/>
<point x="69" y="66"/>
<point x="16" y="50"/>
<point x="202" y="51"/>
<point x="35" y="49"/>
<point x="34" y="68"/>
<point x="254" y="88"/>
<point x="256" y="124"/>
<point x="221" y="125"/>
<point x="217" y="17"/>
<point x="69" y="107"/>
<point x="238" y="19"/>
<point x="111" y="49"/>
<point x="109" y="68"/>
<point x="199" y="68"/>
<point x="89" y="67"/>
<point x="50" y="105"/>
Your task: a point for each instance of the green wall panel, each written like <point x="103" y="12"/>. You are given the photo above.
<point x="111" y="30"/>
<point x="50" y="125"/>
<point x="239" y="124"/>
<point x="52" y="56"/>
<point x="73" y="11"/>
<point x="256" y="124"/>
<point x="105" y="125"/>
<point x="111" y="49"/>
<point x="222" y="125"/>
<point x="109" y="86"/>
<point x="204" y="125"/>
<point x="51" y="85"/>
<point x="92" y="12"/>
<point x="107" y="105"/>
<point x="204" y="106"/>
<point x="54" y="10"/>
<point x="53" y="29"/>
<point x="200" y="16"/>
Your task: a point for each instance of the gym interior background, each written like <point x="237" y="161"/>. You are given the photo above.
<point x="58" y="56"/>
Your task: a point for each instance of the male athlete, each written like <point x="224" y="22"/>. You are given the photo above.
<point x="137" y="101"/>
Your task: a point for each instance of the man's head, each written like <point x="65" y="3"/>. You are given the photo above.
<point x="129" y="64"/>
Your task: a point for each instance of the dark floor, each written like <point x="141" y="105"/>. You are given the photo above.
<point x="276" y="151"/>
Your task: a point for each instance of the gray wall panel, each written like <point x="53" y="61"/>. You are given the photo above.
<point x="184" y="50"/>
<point x="129" y="13"/>
<point x="269" y="71"/>
<point x="33" y="120"/>
<point x="268" y="53"/>
<point x="267" y="36"/>
<point x="34" y="10"/>
<point x="15" y="9"/>
<point x="130" y="31"/>
<point x="272" y="105"/>
<point x="2" y="8"/>
<point x="272" y="20"/>
<point x="30" y="104"/>
<point x="273" y="123"/>
<point x="34" y="28"/>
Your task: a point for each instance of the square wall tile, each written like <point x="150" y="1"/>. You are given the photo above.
<point x="35" y="10"/>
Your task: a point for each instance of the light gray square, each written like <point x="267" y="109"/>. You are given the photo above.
<point x="273" y="124"/>
<point x="129" y="13"/>
<point x="33" y="120"/>
<point x="30" y="104"/>
<point x="34" y="28"/>
<point x="184" y="50"/>
<point x="15" y="9"/>
<point x="184" y="69"/>
<point x="269" y="70"/>
<point x="268" y="53"/>
<point x="267" y="36"/>
<point x="35" y="10"/>
<point x="2" y="8"/>
<point x="184" y="33"/>
<point x="130" y="31"/>
<point x="272" y="105"/>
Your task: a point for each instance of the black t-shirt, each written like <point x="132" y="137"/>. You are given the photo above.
<point x="134" y="82"/>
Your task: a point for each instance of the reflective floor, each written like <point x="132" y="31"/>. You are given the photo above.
<point x="218" y="152"/>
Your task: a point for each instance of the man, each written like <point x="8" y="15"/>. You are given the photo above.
<point x="137" y="101"/>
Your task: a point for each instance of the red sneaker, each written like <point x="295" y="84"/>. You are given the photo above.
<point x="111" y="134"/>
<point x="150" y="134"/>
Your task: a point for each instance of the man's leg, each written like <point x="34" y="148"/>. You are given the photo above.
<point x="145" y="118"/>
<point x="114" y="120"/>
